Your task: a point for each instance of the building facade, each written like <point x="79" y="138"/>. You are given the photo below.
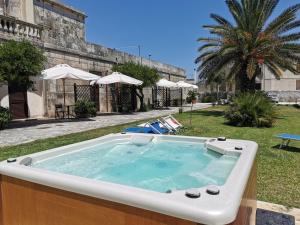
<point x="60" y="31"/>
<point x="287" y="87"/>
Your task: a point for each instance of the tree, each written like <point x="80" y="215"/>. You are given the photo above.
<point x="19" y="61"/>
<point x="250" y="42"/>
<point x="148" y="75"/>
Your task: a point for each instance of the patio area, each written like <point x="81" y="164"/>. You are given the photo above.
<point x="26" y="131"/>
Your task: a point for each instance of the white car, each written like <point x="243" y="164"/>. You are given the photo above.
<point x="273" y="97"/>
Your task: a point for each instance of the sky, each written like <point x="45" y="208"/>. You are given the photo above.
<point x="166" y="29"/>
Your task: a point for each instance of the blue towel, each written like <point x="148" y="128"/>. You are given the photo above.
<point x="155" y="128"/>
<point x="143" y="130"/>
<point x="289" y="137"/>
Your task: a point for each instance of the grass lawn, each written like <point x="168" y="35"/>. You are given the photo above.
<point x="278" y="170"/>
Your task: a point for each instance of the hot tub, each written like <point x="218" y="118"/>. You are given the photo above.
<point x="132" y="179"/>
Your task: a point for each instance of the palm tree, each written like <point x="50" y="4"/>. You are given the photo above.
<point x="242" y="47"/>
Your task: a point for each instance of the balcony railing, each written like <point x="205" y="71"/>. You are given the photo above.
<point x="21" y="29"/>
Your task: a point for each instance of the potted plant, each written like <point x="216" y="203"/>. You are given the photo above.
<point x="5" y="117"/>
<point x="191" y="97"/>
<point x="85" y="109"/>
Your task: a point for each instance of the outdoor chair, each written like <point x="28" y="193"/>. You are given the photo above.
<point x="59" y="111"/>
<point x="155" y="127"/>
<point x="161" y="123"/>
<point x="173" y="123"/>
<point x="287" y="138"/>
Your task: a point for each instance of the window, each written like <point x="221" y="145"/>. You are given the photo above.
<point x="298" y="67"/>
<point x="298" y="85"/>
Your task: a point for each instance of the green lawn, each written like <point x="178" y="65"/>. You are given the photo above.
<point x="278" y="170"/>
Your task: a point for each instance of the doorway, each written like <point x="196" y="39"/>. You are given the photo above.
<point x="18" y="101"/>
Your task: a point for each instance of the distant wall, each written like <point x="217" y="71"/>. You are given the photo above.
<point x="63" y="28"/>
<point x="1" y="7"/>
<point x="287" y="96"/>
<point x="65" y="31"/>
<point x="286" y="83"/>
<point x="4" y="101"/>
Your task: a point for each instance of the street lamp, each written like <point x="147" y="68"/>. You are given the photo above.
<point x="195" y="76"/>
<point x="133" y="46"/>
<point x="149" y="60"/>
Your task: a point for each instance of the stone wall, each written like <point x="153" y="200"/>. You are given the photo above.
<point x="287" y="96"/>
<point x="65" y="33"/>
<point x="14" y="9"/>
<point x="59" y="29"/>
<point x="1" y="7"/>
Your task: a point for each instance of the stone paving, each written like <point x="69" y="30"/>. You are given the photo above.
<point x="280" y="209"/>
<point x="28" y="131"/>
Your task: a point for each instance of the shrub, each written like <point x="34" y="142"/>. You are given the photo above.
<point x="251" y="109"/>
<point x="297" y="106"/>
<point x="144" y="108"/>
<point x="85" y="109"/>
<point x="5" y="117"/>
<point x="209" y="98"/>
<point x="191" y="96"/>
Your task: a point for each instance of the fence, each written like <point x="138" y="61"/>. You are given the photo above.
<point x="87" y="93"/>
<point x="166" y="97"/>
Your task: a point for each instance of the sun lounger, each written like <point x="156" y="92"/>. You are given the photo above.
<point x="162" y="124"/>
<point x="173" y="123"/>
<point x="287" y="138"/>
<point x="143" y="130"/>
<point x="155" y="127"/>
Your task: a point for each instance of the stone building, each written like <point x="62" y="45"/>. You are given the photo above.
<point x="60" y="31"/>
<point x="287" y="88"/>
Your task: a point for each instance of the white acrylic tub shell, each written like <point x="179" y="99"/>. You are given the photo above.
<point x="208" y="209"/>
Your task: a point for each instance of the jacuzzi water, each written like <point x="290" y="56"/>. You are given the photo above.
<point x="158" y="166"/>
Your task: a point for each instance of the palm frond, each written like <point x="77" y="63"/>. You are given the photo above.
<point x="210" y="40"/>
<point x="289" y="26"/>
<point x="266" y="8"/>
<point x="290" y="37"/>
<point x="284" y="18"/>
<point x="208" y="46"/>
<point x="221" y="20"/>
<point x="251" y="68"/>
<point x="273" y="68"/>
<point x="236" y="11"/>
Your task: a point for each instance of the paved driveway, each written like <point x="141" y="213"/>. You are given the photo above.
<point x="23" y="132"/>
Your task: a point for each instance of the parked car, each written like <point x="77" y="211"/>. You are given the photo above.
<point x="273" y="97"/>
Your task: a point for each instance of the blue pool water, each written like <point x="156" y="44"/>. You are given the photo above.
<point x="160" y="166"/>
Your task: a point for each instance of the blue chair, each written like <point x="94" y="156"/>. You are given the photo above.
<point x="158" y="129"/>
<point x="149" y="128"/>
<point x="287" y="138"/>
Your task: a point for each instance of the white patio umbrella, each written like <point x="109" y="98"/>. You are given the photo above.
<point x="64" y="71"/>
<point x="183" y="84"/>
<point x="117" y="77"/>
<point x="195" y="86"/>
<point x="166" y="83"/>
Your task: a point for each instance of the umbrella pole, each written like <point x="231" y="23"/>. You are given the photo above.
<point x="191" y="114"/>
<point x="118" y="96"/>
<point x="64" y="90"/>
<point x="106" y="98"/>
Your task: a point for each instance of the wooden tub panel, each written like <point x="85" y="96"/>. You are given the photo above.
<point x="26" y="203"/>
